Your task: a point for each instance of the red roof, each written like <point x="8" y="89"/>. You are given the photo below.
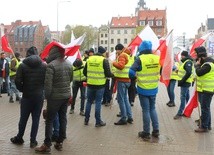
<point x="123" y="21"/>
<point x="152" y="14"/>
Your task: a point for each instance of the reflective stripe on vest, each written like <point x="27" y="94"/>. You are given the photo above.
<point x="78" y="74"/>
<point x="95" y="70"/>
<point x="207" y="80"/>
<point x="182" y="72"/>
<point x="124" y="73"/>
<point x="148" y="77"/>
<point x="198" y="84"/>
<point x="17" y="65"/>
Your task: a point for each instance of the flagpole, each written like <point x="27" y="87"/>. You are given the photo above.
<point x="199" y="106"/>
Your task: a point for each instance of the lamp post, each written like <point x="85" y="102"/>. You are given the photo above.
<point x="184" y="40"/>
<point x="57" y="17"/>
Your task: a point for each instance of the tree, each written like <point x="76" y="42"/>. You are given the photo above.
<point x="79" y="30"/>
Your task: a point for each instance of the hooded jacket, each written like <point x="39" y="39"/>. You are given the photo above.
<point x="58" y="76"/>
<point x="30" y="76"/>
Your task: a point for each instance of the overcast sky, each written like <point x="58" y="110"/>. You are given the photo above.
<point x="182" y="15"/>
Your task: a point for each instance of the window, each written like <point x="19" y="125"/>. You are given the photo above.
<point x="118" y="31"/>
<point x="132" y="31"/>
<point x="125" y="31"/>
<point x="159" y="30"/>
<point x="159" y="22"/>
<point x="112" y="41"/>
<point x="101" y="35"/>
<point x="106" y="35"/>
<point x="101" y="41"/>
<point x="150" y="22"/>
<point x="112" y="49"/>
<point x="106" y="42"/>
<point x="142" y="23"/>
<point x="112" y="31"/>
<point x="118" y="41"/>
<point x="125" y="41"/>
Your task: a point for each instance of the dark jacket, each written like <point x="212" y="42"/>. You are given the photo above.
<point x="30" y="76"/>
<point x="58" y="76"/>
<point x="200" y="71"/>
<point x="188" y="68"/>
<point x="107" y="72"/>
<point x="7" y="69"/>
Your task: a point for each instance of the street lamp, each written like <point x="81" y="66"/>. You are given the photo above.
<point x="57" y="17"/>
<point x="184" y="39"/>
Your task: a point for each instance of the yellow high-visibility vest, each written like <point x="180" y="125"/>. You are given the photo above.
<point x="182" y="72"/>
<point x="95" y="70"/>
<point x="149" y="76"/>
<point x="17" y="65"/>
<point x="124" y="73"/>
<point x="207" y="80"/>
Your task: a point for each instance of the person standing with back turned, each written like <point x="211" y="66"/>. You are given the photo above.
<point x="57" y="92"/>
<point x="147" y="70"/>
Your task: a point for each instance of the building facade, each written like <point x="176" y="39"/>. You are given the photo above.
<point x="123" y="29"/>
<point x="22" y="35"/>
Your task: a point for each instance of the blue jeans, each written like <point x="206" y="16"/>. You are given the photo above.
<point x="206" y="99"/>
<point x="149" y="112"/>
<point x="31" y="106"/>
<point x="13" y="89"/>
<point x="184" y="97"/>
<point x="75" y="87"/>
<point x="122" y="99"/>
<point x="56" y="126"/>
<point x="94" y="94"/>
<point x="170" y="91"/>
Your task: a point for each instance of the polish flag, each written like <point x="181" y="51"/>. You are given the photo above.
<point x="192" y="103"/>
<point x="146" y="34"/>
<point x="74" y="46"/>
<point x="5" y="45"/>
<point x="166" y="58"/>
<point x="70" y="49"/>
<point x="198" y="43"/>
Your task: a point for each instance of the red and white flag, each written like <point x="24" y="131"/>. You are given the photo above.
<point x="146" y="34"/>
<point x="70" y="49"/>
<point x="74" y="46"/>
<point x="5" y="45"/>
<point x="198" y="43"/>
<point x="192" y="103"/>
<point x="166" y="58"/>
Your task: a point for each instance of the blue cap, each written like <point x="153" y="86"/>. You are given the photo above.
<point x="145" y="45"/>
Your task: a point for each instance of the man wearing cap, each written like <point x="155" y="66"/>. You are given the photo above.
<point x="96" y="70"/>
<point x="90" y="52"/>
<point x="29" y="80"/>
<point x="14" y="64"/>
<point x="146" y="69"/>
<point x="78" y="80"/>
<point x="185" y="79"/>
<point x="204" y="70"/>
<point x="122" y="65"/>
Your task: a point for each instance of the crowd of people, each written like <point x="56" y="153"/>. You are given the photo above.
<point x="97" y="78"/>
